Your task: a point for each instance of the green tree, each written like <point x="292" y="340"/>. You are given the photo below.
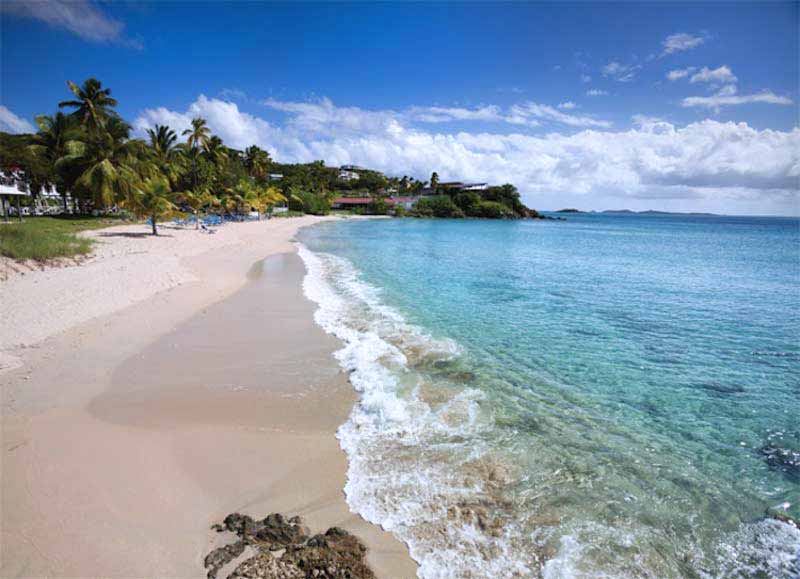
<point x="93" y="104"/>
<point x="435" y="181"/>
<point x="197" y="138"/>
<point x="257" y="162"/>
<point x="152" y="199"/>
<point x="50" y="144"/>
<point x="110" y="165"/>
<point x="167" y="155"/>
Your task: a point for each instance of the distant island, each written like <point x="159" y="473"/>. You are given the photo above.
<point x="631" y="212"/>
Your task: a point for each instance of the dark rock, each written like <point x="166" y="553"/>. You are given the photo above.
<point x="336" y="554"/>
<point x="783" y="460"/>
<point x="218" y="558"/>
<point x="243" y="525"/>
<point x="282" y="533"/>
<point x="266" y="566"/>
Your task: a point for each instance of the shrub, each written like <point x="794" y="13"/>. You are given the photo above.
<point x="377" y="207"/>
<point x="467" y="201"/>
<point x="491" y="210"/>
<point x="308" y="202"/>
<point x="441" y="206"/>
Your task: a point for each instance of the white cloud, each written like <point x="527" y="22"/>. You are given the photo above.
<point x="596" y="92"/>
<point x="679" y="73"/>
<point x="721" y="75"/>
<point x="80" y="17"/>
<point x="710" y="162"/>
<point x="569" y="105"/>
<point x="322" y="115"/>
<point x="234" y="94"/>
<point x="523" y="113"/>
<point x="621" y="72"/>
<point x="586" y="78"/>
<point x="11" y="123"/>
<point x="447" y="114"/>
<point x="680" y="42"/>
<point x="727" y="97"/>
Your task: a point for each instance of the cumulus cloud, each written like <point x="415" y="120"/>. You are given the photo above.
<point x="727" y="97"/>
<point x="80" y="17"/>
<point x="596" y="92"/>
<point x="680" y="42"/>
<point x="621" y="72"/>
<point x="721" y="75"/>
<point x="679" y="73"/>
<point x="707" y="160"/>
<point x="586" y="78"/>
<point x="11" y="123"/>
<point x="569" y="105"/>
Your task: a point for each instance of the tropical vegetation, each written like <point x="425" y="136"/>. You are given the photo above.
<point x="87" y="153"/>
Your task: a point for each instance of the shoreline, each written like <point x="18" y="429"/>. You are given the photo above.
<point x="116" y="459"/>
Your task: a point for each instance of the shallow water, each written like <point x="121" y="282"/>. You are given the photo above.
<point x="610" y="396"/>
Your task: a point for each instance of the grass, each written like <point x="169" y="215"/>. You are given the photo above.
<point x="43" y="238"/>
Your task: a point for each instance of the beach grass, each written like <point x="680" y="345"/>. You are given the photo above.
<point x="44" y="238"/>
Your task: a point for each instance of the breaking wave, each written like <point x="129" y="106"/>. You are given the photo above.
<point x="431" y="459"/>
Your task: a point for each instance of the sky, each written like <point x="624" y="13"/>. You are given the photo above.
<point x="668" y="106"/>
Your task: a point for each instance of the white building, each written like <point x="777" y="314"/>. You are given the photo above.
<point x="347" y="175"/>
<point x="475" y="187"/>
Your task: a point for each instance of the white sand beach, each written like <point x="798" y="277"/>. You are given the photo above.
<point x="157" y="387"/>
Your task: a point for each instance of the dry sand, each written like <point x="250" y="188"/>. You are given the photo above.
<point x="181" y="384"/>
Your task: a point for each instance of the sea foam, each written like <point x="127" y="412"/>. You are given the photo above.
<point x="426" y="462"/>
<point x="416" y="459"/>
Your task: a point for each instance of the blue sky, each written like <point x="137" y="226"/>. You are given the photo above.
<point x="597" y="105"/>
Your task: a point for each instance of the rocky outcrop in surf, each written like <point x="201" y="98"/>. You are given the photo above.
<point x="280" y="548"/>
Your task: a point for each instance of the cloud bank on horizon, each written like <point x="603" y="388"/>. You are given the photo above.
<point x="705" y="160"/>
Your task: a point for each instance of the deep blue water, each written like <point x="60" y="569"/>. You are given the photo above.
<point x="631" y="387"/>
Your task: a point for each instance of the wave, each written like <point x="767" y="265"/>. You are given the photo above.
<point x="429" y="461"/>
<point x="418" y="466"/>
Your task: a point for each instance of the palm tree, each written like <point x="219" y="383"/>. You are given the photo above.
<point x="257" y="162"/>
<point x="197" y="201"/>
<point x="198" y="136"/>
<point x="151" y="199"/>
<point x="435" y="181"/>
<point x="50" y="144"/>
<point x="163" y="140"/>
<point x="94" y="104"/>
<point x="215" y="151"/>
<point x="167" y="155"/>
<point x="110" y="165"/>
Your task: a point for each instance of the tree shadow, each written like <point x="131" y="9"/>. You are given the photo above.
<point x="130" y="234"/>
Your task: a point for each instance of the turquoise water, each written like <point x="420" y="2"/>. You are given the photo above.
<point x="610" y="396"/>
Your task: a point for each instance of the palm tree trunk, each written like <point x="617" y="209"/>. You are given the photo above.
<point x="153" y="221"/>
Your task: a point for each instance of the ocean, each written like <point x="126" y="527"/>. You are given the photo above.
<point x="607" y="396"/>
